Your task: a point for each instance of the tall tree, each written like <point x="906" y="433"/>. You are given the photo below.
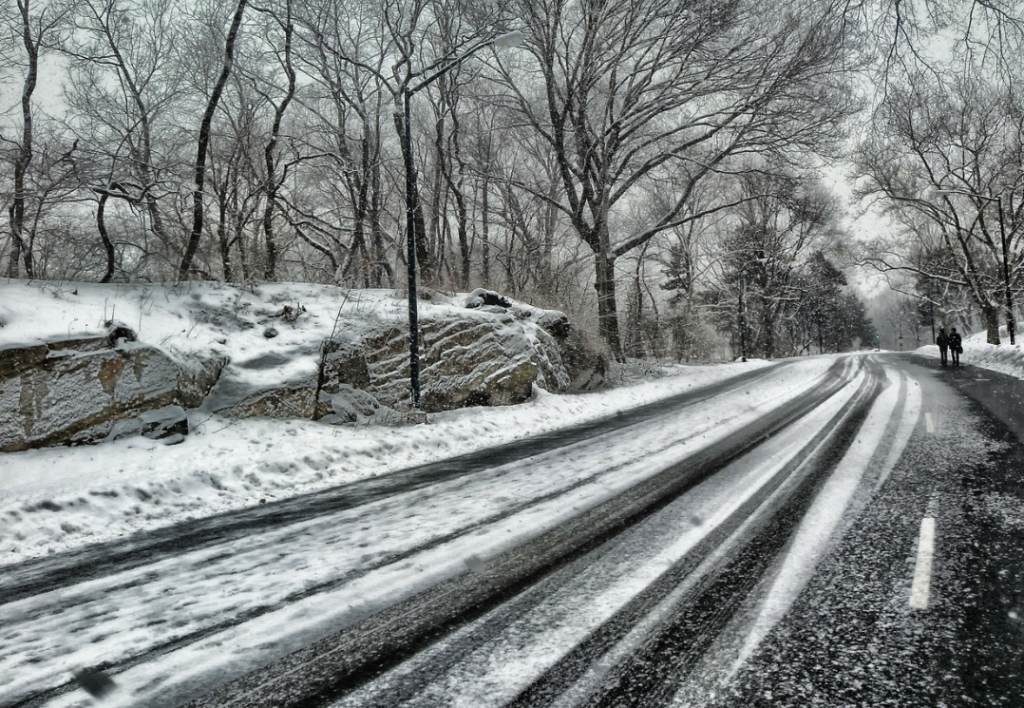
<point x="34" y="27"/>
<point x="819" y="313"/>
<point x="124" y="85"/>
<point x="278" y="38"/>
<point x="632" y="94"/>
<point x="782" y="221"/>
<point x="945" y="159"/>
<point x="344" y="208"/>
<point x="203" y="140"/>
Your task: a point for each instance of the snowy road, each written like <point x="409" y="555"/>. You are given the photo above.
<point x="576" y="570"/>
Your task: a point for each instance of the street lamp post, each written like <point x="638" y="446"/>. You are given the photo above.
<point x="1011" y="324"/>
<point x="509" y="39"/>
<point x="742" y="317"/>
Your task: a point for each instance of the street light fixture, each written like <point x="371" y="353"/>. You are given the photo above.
<point x="742" y="316"/>
<point x="1011" y="325"/>
<point x="509" y="39"/>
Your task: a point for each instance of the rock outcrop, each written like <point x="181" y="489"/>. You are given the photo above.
<point x="484" y="351"/>
<point x="488" y="356"/>
<point x="86" y="389"/>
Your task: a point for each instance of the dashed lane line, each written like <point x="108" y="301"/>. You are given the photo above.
<point x="921" y="587"/>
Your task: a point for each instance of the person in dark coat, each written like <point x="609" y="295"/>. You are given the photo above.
<point x="943" y="341"/>
<point x="955" y="346"/>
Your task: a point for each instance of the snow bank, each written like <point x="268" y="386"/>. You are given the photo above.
<point x="1004" y="358"/>
<point x="56" y="499"/>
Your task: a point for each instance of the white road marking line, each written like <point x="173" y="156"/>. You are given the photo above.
<point x="929" y="423"/>
<point x="921" y="587"/>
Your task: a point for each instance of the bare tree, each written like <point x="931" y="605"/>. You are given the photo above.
<point x="277" y="37"/>
<point x="688" y="255"/>
<point x="986" y="33"/>
<point x="345" y="205"/>
<point x="237" y="180"/>
<point x="627" y="94"/>
<point x="33" y="28"/>
<point x="124" y="84"/>
<point x="949" y="153"/>
<point x="203" y="140"/>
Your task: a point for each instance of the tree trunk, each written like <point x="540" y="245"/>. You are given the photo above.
<point x="204" y="143"/>
<point x="768" y="329"/>
<point x="270" y="265"/>
<point x="382" y="272"/>
<point x="24" y="156"/>
<point x="223" y="240"/>
<point x="463" y="227"/>
<point x="358" y="256"/>
<point x="604" y="283"/>
<point x="485" y="240"/>
<point x="108" y="247"/>
<point x="991" y="315"/>
<point x="635" y="320"/>
<point x="14" y="263"/>
<point x="273" y="183"/>
<point x="607" y="314"/>
<point x="243" y="259"/>
<point x="453" y="169"/>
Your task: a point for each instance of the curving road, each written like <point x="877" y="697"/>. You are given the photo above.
<point x="757" y="542"/>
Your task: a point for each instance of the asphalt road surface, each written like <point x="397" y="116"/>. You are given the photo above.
<point x="853" y="638"/>
<point x="855" y="545"/>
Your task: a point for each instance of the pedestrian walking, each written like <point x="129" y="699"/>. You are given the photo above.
<point x="955" y="346"/>
<point x="943" y="341"/>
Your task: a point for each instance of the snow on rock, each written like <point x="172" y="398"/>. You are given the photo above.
<point x="77" y="358"/>
<point x="84" y="389"/>
<point x="486" y="298"/>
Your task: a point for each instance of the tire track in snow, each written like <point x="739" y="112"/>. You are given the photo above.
<point x="550" y="614"/>
<point x="60" y="570"/>
<point x="340" y="663"/>
<point x="256" y="612"/>
<point x="878" y="446"/>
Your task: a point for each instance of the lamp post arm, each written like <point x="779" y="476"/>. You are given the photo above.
<point x="448" y="67"/>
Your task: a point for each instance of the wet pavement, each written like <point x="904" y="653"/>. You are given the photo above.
<point x="853" y="638"/>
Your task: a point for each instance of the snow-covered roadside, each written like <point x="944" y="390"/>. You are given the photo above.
<point x="60" y="498"/>
<point x="1004" y="358"/>
<point x="362" y="560"/>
